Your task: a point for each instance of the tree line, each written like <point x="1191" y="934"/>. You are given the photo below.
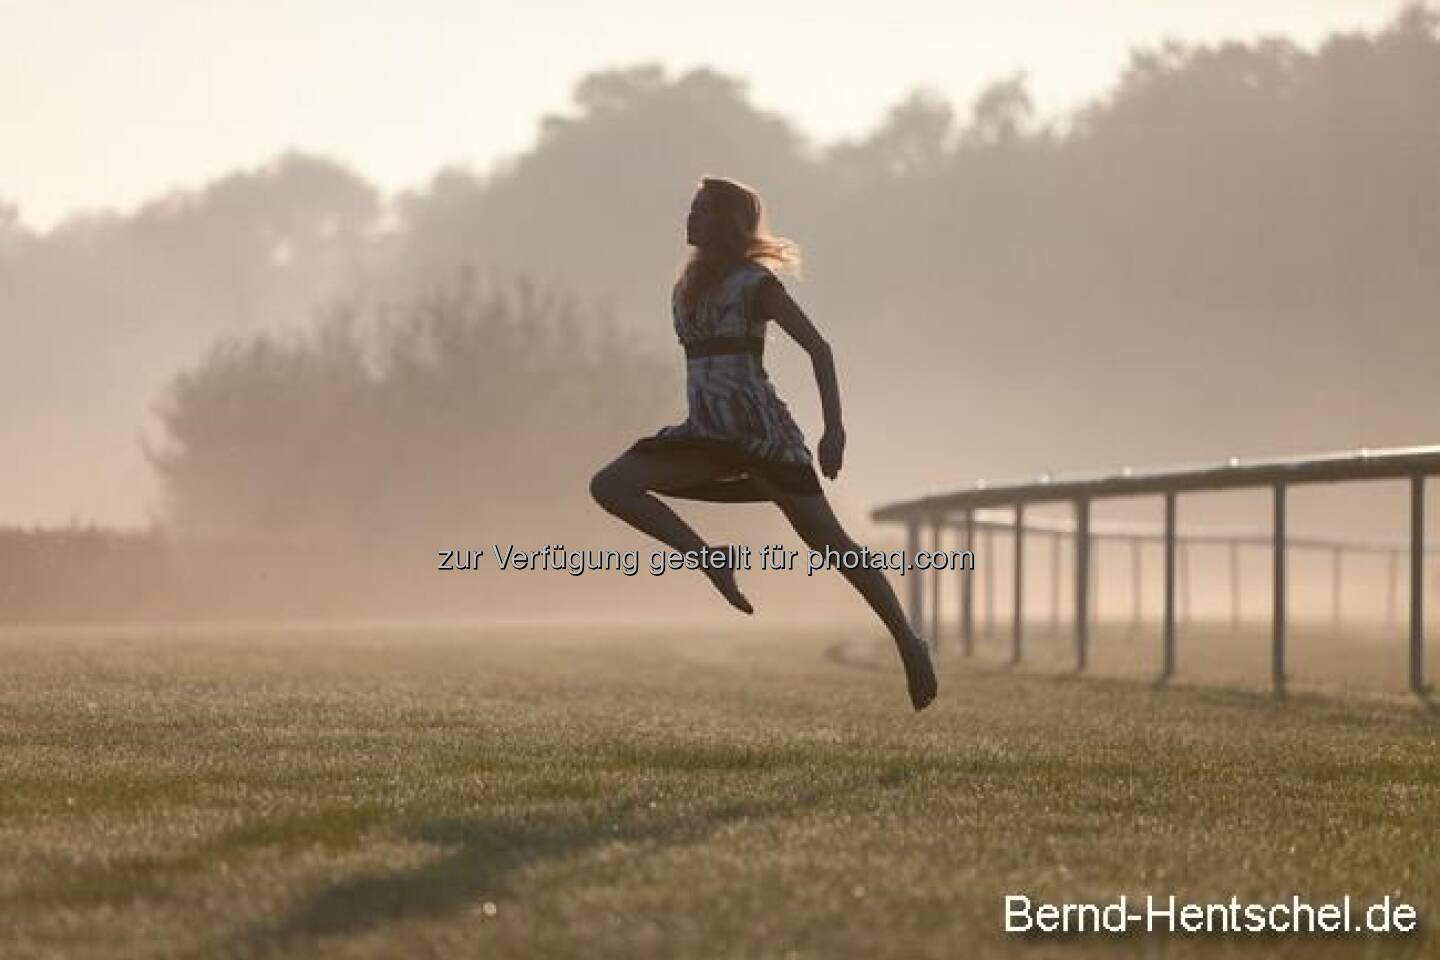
<point x="1230" y="251"/>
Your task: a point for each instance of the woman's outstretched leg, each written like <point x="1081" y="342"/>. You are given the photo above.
<point x="623" y="488"/>
<point x="812" y="518"/>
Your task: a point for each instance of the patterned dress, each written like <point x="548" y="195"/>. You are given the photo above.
<point x="735" y="415"/>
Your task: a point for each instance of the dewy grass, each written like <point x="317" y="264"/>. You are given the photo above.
<point x="527" y="792"/>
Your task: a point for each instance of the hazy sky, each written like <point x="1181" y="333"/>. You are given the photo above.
<point x="108" y="104"/>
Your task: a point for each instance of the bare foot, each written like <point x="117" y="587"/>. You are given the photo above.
<point x="724" y="580"/>
<point x="919" y="671"/>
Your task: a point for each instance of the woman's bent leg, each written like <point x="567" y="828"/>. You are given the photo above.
<point x="623" y="488"/>
<point x="813" y="519"/>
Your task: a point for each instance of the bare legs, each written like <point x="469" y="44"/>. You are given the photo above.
<point x="623" y="489"/>
<point x="818" y="526"/>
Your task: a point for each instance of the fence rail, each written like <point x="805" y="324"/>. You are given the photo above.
<point x="991" y="521"/>
<point x="961" y="509"/>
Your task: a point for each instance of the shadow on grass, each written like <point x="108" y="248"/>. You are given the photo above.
<point x="840" y="653"/>
<point x="118" y="881"/>
<point x="482" y="854"/>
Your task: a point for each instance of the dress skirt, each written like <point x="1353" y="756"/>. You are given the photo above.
<point x="737" y="420"/>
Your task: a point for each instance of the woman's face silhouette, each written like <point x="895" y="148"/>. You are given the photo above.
<point x="700" y="225"/>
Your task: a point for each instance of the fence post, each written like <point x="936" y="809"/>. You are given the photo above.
<point x="967" y="619"/>
<point x="1082" y="582"/>
<point x="1136" y="609"/>
<point x="917" y="582"/>
<point x="1234" y="585"/>
<point x="1277" y="643"/>
<point x="1167" y="666"/>
<point x="989" y="534"/>
<point x="1392" y="583"/>
<point x="1335" y="568"/>
<point x="935" y="546"/>
<point x="1055" y="582"/>
<point x="1019" y="610"/>
<point x="1417" y="584"/>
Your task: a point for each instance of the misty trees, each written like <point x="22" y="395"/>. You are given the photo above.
<point x="1227" y="222"/>
<point x="111" y="305"/>
<point x="598" y="203"/>
<point x="12" y="231"/>
<point x="460" y="412"/>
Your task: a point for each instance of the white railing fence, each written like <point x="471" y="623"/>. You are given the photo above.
<point x="986" y="509"/>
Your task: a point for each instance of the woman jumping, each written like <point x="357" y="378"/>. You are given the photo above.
<point x="739" y="442"/>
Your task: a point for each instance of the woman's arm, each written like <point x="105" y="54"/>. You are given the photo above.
<point x="775" y="303"/>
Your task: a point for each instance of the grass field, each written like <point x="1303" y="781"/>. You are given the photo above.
<point x="567" y="792"/>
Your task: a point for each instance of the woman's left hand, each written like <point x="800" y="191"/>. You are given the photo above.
<point x="832" y="451"/>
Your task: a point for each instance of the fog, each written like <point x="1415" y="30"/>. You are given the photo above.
<point x="1227" y="251"/>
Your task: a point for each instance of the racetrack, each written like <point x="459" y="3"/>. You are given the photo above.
<point x="564" y="792"/>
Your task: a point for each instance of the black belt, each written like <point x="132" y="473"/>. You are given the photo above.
<point x="715" y="346"/>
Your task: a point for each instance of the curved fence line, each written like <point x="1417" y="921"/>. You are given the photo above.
<point x="962" y="510"/>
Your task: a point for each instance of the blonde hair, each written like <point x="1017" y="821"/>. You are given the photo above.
<point x="744" y="237"/>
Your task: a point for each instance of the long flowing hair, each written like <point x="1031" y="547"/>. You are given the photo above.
<point x="742" y="236"/>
